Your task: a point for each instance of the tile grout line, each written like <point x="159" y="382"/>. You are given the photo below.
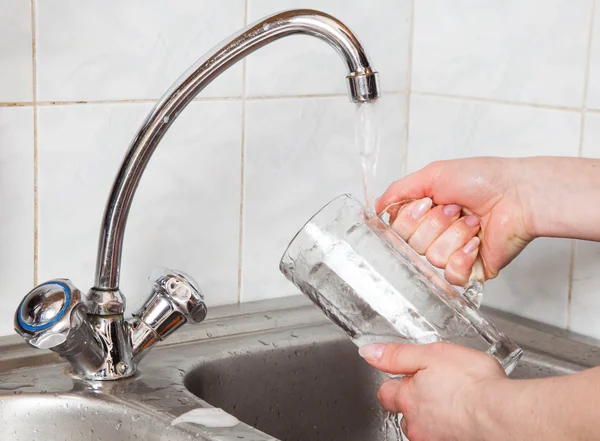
<point x="496" y="101"/>
<point x="315" y="96"/>
<point x="35" y="147"/>
<point x="18" y="104"/>
<point x="200" y="99"/>
<point x="408" y="88"/>
<point x="579" y="153"/>
<point x="242" y="170"/>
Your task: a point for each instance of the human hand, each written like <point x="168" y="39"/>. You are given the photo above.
<point x="433" y="224"/>
<point x="443" y="395"/>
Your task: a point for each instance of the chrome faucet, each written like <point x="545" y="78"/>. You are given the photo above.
<point x="92" y="333"/>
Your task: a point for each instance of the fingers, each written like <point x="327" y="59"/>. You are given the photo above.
<point x="416" y="185"/>
<point x="446" y="239"/>
<point x="460" y="264"/>
<point x="404" y="426"/>
<point x="409" y="217"/>
<point x="393" y="395"/>
<point x="453" y="239"/>
<point x="432" y="226"/>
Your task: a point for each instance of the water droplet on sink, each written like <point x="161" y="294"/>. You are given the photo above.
<point x="118" y="426"/>
<point x="135" y="417"/>
<point x="18" y="392"/>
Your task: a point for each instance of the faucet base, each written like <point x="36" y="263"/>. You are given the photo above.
<point x="105" y="301"/>
<point x="113" y="333"/>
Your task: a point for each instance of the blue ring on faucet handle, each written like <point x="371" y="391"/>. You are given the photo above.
<point x="58" y="316"/>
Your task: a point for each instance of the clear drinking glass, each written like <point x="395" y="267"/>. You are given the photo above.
<point x="376" y="288"/>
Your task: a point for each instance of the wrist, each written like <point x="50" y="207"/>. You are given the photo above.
<point x="555" y="194"/>
<point x="530" y="176"/>
<point x="489" y="410"/>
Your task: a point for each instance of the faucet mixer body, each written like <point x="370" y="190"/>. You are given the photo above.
<point x="92" y="333"/>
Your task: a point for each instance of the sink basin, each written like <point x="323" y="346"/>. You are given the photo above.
<point x="311" y="384"/>
<point x="304" y="391"/>
<point x="40" y="417"/>
<point x="279" y="366"/>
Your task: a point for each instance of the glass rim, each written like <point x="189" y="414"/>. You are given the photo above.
<point x="318" y="213"/>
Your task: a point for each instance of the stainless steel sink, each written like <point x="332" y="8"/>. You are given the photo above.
<point x="310" y="384"/>
<point x="279" y="366"/>
<point x="310" y="387"/>
<point x="42" y="417"/>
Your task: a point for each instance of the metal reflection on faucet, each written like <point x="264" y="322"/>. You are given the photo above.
<point x="123" y="343"/>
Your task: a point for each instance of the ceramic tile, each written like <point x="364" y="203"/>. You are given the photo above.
<point x="16" y="215"/>
<point x="537" y="284"/>
<point x="593" y="93"/>
<point x="585" y="303"/>
<point x="528" y="51"/>
<point x="444" y="128"/>
<point x="186" y="211"/>
<point x="129" y="50"/>
<point x="15" y="51"/>
<point x="300" y="154"/>
<point x="304" y="65"/>
<point x="591" y="136"/>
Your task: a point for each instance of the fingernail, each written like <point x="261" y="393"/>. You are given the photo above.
<point x="372" y="352"/>
<point x="471" y="245"/>
<point x="451" y="210"/>
<point x="421" y="208"/>
<point x="472" y="221"/>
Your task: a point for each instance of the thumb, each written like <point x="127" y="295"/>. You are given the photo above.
<point x="397" y="359"/>
<point x="416" y="185"/>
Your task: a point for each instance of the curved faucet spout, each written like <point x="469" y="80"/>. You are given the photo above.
<point x="105" y="298"/>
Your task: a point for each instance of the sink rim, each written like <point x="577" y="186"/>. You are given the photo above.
<point x="298" y="311"/>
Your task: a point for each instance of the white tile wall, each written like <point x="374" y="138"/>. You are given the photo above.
<point x="445" y="128"/>
<point x="530" y="51"/>
<point x="16" y="212"/>
<point x="585" y="305"/>
<point x="300" y="154"/>
<point x="15" y="51"/>
<point x="115" y="50"/>
<point x="101" y="65"/>
<point x="593" y="93"/>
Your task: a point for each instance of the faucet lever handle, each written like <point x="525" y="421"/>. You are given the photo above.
<point x="53" y="316"/>
<point x="50" y="313"/>
<point x="175" y="300"/>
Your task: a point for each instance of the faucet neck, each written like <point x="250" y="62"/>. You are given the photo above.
<point x="104" y="298"/>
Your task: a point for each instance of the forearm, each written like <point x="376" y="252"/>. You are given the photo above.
<point x="559" y="408"/>
<point x="559" y="195"/>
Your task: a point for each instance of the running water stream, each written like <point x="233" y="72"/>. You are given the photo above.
<point x="367" y="144"/>
<point x="366" y="138"/>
